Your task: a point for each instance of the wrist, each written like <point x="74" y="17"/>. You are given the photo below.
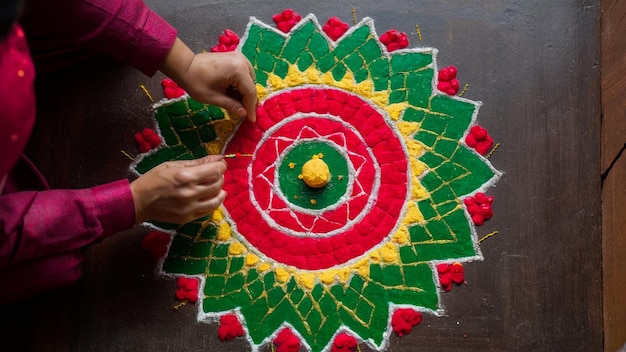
<point x="177" y="62"/>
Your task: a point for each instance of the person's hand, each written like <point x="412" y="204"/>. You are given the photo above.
<point x="225" y="79"/>
<point x="180" y="191"/>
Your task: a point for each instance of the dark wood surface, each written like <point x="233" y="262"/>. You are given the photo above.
<point x="614" y="172"/>
<point x="536" y="67"/>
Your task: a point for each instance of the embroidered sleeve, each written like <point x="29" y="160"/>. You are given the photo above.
<point x="43" y="224"/>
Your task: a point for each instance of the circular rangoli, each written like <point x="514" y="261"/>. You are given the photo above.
<point x="352" y="201"/>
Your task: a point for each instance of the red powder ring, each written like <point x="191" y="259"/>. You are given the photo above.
<point x="274" y="206"/>
<point x="314" y="251"/>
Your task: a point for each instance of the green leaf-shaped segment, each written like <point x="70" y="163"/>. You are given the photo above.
<point x="186" y="128"/>
<point x="454" y="171"/>
<point x="411" y="78"/>
<point x="316" y="314"/>
<point x="262" y="48"/>
<point x="306" y="38"/>
<point x="191" y="248"/>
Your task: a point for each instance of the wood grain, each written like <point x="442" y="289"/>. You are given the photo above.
<point x="614" y="172"/>
<point x="534" y="65"/>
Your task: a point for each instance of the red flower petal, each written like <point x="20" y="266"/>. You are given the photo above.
<point x="181" y="294"/>
<point x="473" y="209"/>
<point x="478" y="219"/>
<point x="447" y="73"/>
<point x="485" y="211"/>
<point x="445" y="279"/>
<point x="404" y="319"/>
<point x="229" y="328"/>
<point x="479" y="132"/>
<point x="192" y="296"/>
<point x="335" y="28"/>
<point x="226" y="42"/>
<point x="443" y="268"/>
<point x="470" y="140"/>
<point x="344" y="342"/>
<point x="286" y="341"/>
<point x="171" y="90"/>
<point x="457" y="273"/>
<point x="156" y="243"/>
<point x="286" y="19"/>
<point x="480" y="198"/>
<point x="394" y="40"/>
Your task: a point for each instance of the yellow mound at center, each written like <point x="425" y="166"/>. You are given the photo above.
<point x="315" y="173"/>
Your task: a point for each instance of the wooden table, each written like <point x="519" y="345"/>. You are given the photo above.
<point x="536" y="67"/>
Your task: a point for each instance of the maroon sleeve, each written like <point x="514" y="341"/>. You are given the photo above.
<point x="50" y="223"/>
<point x="39" y="275"/>
<point x="64" y="32"/>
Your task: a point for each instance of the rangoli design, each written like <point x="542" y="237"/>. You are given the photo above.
<point x="352" y="201"/>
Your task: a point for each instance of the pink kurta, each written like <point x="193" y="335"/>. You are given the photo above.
<point x="43" y="232"/>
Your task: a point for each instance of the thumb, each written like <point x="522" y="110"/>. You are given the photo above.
<point x="231" y="101"/>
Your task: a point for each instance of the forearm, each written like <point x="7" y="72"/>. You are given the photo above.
<point x="177" y="62"/>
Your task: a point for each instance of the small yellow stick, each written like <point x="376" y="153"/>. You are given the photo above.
<point x="487" y="236"/>
<point x="493" y="150"/>
<point x="236" y="155"/>
<point x="145" y="90"/>
<point x="419" y="32"/>
<point x="354" y="15"/>
<point x="128" y="155"/>
<point x="181" y="304"/>
<point x="464" y="89"/>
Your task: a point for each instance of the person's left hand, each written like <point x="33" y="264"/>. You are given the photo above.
<point x="225" y="79"/>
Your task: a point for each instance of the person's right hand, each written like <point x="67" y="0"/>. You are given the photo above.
<point x="180" y="191"/>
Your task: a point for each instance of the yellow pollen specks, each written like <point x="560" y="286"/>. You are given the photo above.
<point x="306" y="280"/>
<point x="214" y="147"/>
<point x="311" y="75"/>
<point x="217" y="215"/>
<point x="223" y="228"/>
<point x="408" y="129"/>
<point x="236" y="248"/>
<point x="251" y="259"/>
<point x="389" y="253"/>
<point x="363" y="268"/>
<point x="313" y="201"/>
<point x="223" y="232"/>
<point x="413" y="214"/>
<point x="395" y="110"/>
<point x="261" y="92"/>
<point x="282" y="275"/>
<point x="292" y="165"/>
<point x="375" y="257"/>
<point x="223" y="128"/>
<point x="344" y="274"/>
<point x="401" y="236"/>
<point x="414" y="148"/>
<point x="328" y="277"/>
